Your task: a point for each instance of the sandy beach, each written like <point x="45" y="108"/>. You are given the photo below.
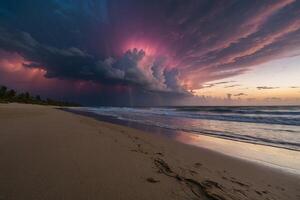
<point x="47" y="153"/>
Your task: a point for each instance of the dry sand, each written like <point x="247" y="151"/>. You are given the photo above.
<point x="46" y="153"/>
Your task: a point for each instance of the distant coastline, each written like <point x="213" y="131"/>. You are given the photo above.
<point x="12" y="96"/>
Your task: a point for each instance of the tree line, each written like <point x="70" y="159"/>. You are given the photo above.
<point x="11" y="96"/>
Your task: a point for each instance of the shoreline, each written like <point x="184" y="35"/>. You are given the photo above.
<point x="195" y="140"/>
<point x="139" y="126"/>
<point x="52" y="154"/>
<point x="135" y="124"/>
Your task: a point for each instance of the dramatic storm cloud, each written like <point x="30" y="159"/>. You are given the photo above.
<point x="142" y="52"/>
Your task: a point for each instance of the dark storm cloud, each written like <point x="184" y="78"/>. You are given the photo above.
<point x="193" y="42"/>
<point x="74" y="64"/>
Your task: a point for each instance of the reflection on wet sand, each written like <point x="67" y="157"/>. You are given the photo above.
<point x="271" y="156"/>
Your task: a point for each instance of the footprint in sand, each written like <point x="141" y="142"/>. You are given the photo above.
<point x="198" y="165"/>
<point x="152" y="180"/>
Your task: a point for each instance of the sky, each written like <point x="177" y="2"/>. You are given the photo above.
<point x="158" y="52"/>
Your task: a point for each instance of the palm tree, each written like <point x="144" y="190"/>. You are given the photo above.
<point x="7" y="96"/>
<point x="10" y="95"/>
<point x="21" y="97"/>
<point x="3" y="90"/>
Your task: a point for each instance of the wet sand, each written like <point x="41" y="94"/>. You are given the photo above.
<point x="46" y="153"/>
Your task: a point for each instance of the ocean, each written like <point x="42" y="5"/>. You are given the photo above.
<point x="276" y="126"/>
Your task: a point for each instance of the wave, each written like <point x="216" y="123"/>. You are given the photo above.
<point x="208" y="113"/>
<point x="249" y="119"/>
<point x="273" y="130"/>
<point x="229" y="135"/>
<point x="243" y="110"/>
